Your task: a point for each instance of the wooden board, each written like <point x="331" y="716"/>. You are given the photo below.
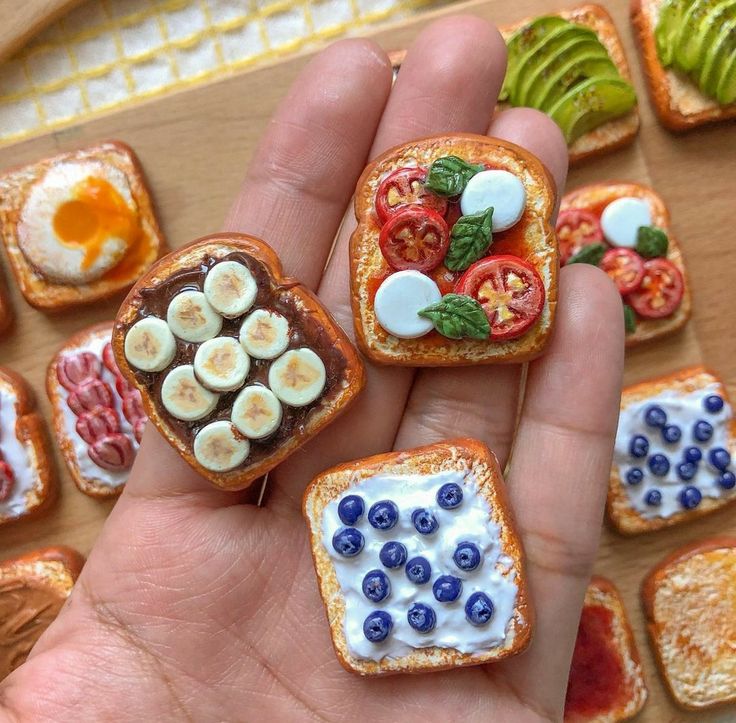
<point x="195" y="166"/>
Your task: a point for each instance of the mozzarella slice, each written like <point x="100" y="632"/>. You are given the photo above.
<point x="256" y="412"/>
<point x="219" y="448"/>
<point x="265" y="334"/>
<point x="191" y="317"/>
<point x="149" y="345"/>
<point x="298" y="377"/>
<point x="230" y="288"/>
<point x="498" y="189"/>
<point x="622" y="218"/>
<point x="184" y="397"/>
<point x="398" y="300"/>
<point x="221" y="364"/>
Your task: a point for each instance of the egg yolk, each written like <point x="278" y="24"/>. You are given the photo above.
<point x="95" y="214"/>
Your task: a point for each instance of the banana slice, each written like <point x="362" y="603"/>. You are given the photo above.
<point x="184" y="397"/>
<point x="218" y="447"/>
<point x="298" y="377"/>
<point x="221" y="364"/>
<point x="230" y="288"/>
<point x="256" y="412"/>
<point x="149" y="345"/>
<point x="191" y="317"/>
<point x="265" y="334"/>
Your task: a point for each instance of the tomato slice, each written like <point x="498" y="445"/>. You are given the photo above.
<point x="405" y="187"/>
<point x="415" y="238"/>
<point x="510" y="291"/>
<point x="660" y="292"/>
<point x="576" y="229"/>
<point x="625" y="267"/>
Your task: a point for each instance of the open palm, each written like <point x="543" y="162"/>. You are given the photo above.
<point x="195" y="604"/>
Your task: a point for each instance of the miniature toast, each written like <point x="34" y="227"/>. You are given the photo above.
<point x="690" y="605"/>
<point x="238" y="365"/>
<point x="98" y="417"/>
<point x="606" y="681"/>
<point x="672" y="459"/>
<point x="454" y="260"/>
<point x="689" y="55"/>
<point x="625" y="229"/>
<point x="78" y="227"/>
<point x="419" y="564"/>
<point x="27" y="479"/>
<point x="33" y="589"/>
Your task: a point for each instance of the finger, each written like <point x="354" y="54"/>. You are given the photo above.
<point x="560" y="469"/>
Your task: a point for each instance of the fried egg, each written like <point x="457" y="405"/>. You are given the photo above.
<point x="78" y="221"/>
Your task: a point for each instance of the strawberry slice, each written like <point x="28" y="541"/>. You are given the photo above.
<point x="113" y="452"/>
<point x="138" y="426"/>
<point x="108" y="359"/>
<point x="96" y="424"/>
<point x="89" y="395"/>
<point x="75" y="369"/>
<point x="133" y="406"/>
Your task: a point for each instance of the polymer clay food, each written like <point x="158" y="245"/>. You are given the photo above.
<point x="237" y="365"/>
<point x="98" y="416"/>
<point x="672" y="459"/>
<point x="454" y="260"/>
<point x="27" y="479"/>
<point x="33" y="589"/>
<point x="606" y="683"/>
<point x="690" y="606"/>
<point x="419" y="564"/>
<point x="6" y="310"/>
<point x="79" y="226"/>
<point x="689" y="54"/>
<point x="625" y="229"/>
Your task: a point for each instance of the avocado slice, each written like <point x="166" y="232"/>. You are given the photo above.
<point x="591" y="103"/>
<point x="671" y="13"/>
<point x="718" y="52"/>
<point x="698" y="31"/>
<point x="726" y="90"/>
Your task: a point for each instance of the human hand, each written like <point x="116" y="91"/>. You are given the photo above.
<point x="197" y="605"/>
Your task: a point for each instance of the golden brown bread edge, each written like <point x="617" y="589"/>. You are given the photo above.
<point x="587" y="196"/>
<point x="620" y="514"/>
<point x="670" y="114"/>
<point x="366" y="258"/>
<point x="69" y="558"/>
<point x="451" y="454"/>
<point x="48" y="295"/>
<point x="218" y="245"/>
<point x="30" y="428"/>
<point x="649" y="588"/>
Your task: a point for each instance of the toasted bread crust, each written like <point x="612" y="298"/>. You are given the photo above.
<point x="366" y="259"/>
<point x="70" y="559"/>
<point x="668" y="89"/>
<point x="453" y="454"/>
<point x="15" y="185"/>
<point x="603" y="193"/>
<point x="219" y="245"/>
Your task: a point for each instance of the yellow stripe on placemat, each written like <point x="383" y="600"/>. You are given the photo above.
<point x="107" y="54"/>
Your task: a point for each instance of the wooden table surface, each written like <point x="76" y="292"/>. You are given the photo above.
<point x="194" y="166"/>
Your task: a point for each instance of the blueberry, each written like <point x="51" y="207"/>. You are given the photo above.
<point x="693" y="454"/>
<point x="634" y="476"/>
<point x="383" y="515"/>
<point x="421" y="617"/>
<point x="659" y="465"/>
<point x="350" y="509"/>
<point x="348" y="541"/>
<point x="424" y="521"/>
<point x="719" y="458"/>
<point x="449" y="496"/>
<point x="690" y="497"/>
<point x="478" y="608"/>
<point x="418" y="570"/>
<point x="377" y="626"/>
<point x="671" y="433"/>
<point x="376" y="585"/>
<point x="727" y="480"/>
<point x="639" y="446"/>
<point x="653" y="498"/>
<point x="392" y="554"/>
<point x="702" y="431"/>
<point x="655" y="416"/>
<point x="686" y="470"/>
<point x="467" y="556"/>
<point x="447" y="588"/>
<point x="713" y="403"/>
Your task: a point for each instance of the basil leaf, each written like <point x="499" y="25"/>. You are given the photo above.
<point x="629" y="319"/>
<point x="449" y="175"/>
<point x="457" y="316"/>
<point x="651" y="242"/>
<point x="469" y="240"/>
<point x="590" y="254"/>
